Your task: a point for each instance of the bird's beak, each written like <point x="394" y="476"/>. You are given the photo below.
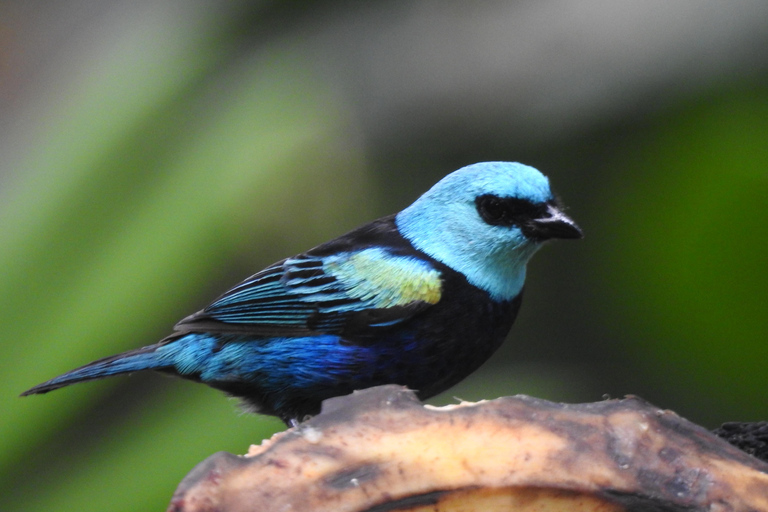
<point x="554" y="224"/>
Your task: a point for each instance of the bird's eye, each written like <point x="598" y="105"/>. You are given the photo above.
<point x="492" y="210"/>
<point x="506" y="211"/>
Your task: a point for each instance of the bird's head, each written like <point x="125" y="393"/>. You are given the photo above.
<point x="486" y="220"/>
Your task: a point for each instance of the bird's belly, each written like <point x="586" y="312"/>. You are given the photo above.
<point x="290" y="376"/>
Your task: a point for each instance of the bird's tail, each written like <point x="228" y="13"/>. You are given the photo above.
<point x="143" y="358"/>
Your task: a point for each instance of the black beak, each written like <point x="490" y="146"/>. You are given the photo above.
<point x="553" y="224"/>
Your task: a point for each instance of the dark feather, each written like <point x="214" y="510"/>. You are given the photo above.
<point x="296" y="297"/>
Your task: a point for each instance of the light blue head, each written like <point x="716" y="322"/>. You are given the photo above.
<point x="486" y="220"/>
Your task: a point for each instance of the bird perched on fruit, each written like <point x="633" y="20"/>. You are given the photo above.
<point x="421" y="298"/>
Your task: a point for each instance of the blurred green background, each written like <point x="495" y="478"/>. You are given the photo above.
<point x="154" y="153"/>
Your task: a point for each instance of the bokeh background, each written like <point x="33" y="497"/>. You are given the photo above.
<point x="154" y="153"/>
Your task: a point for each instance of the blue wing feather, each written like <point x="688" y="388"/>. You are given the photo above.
<point x="355" y="290"/>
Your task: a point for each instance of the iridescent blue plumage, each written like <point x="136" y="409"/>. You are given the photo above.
<point x="421" y="298"/>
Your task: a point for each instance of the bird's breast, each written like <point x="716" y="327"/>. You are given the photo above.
<point x="443" y="344"/>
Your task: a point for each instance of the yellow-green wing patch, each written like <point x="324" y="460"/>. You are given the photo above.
<point x="384" y="280"/>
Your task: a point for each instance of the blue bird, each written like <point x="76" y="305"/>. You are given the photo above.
<point x="421" y="298"/>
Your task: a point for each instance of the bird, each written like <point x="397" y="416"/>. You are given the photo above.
<point x="421" y="298"/>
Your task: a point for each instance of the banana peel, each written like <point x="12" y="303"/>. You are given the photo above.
<point x="381" y="450"/>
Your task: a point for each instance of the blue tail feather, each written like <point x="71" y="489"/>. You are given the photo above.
<point x="143" y="358"/>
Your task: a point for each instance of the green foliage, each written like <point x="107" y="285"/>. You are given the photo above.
<point x="687" y="266"/>
<point x="139" y="191"/>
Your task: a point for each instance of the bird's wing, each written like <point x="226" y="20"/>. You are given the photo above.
<point x="348" y="293"/>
